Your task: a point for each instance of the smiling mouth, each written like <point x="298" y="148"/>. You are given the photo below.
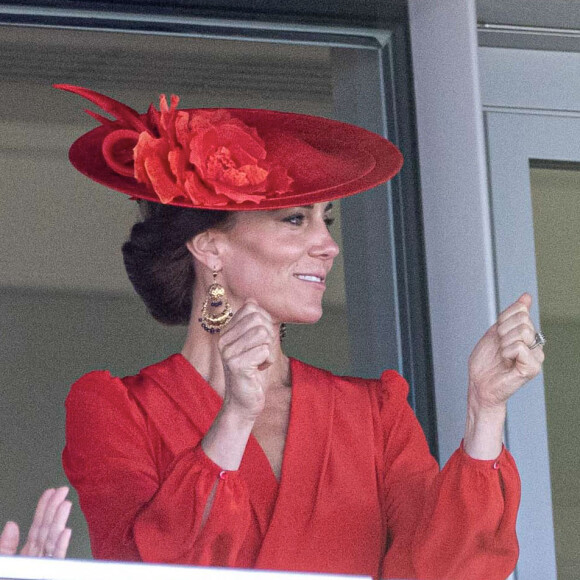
<point x="309" y="278"/>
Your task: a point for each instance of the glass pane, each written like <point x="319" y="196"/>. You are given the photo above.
<point x="556" y="208"/>
<point x="66" y="305"/>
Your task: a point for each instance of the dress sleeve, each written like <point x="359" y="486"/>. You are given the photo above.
<point x="458" y="523"/>
<point x="134" y="510"/>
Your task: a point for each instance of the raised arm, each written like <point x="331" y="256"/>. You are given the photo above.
<point x="140" y="507"/>
<point x="460" y="523"/>
<point x="247" y="350"/>
<point x="142" y="501"/>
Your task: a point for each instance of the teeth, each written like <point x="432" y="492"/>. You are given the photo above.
<point x="309" y="278"/>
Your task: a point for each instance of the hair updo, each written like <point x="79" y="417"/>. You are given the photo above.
<point x="158" y="262"/>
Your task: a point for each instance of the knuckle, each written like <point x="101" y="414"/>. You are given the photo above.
<point x="253" y="316"/>
<point x="261" y="350"/>
<point x="225" y="351"/>
<point x="235" y="362"/>
<point x="262" y="333"/>
<point x="502" y="330"/>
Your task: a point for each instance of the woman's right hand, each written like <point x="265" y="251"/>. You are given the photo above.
<point x="247" y="348"/>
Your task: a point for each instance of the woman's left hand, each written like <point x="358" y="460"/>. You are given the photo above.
<point x="502" y="361"/>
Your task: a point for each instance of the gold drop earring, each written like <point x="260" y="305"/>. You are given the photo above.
<point x="211" y="321"/>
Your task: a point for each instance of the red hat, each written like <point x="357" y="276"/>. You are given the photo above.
<point x="229" y="159"/>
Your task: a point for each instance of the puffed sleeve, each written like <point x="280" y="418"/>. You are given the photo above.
<point x="455" y="524"/>
<point x="135" y="508"/>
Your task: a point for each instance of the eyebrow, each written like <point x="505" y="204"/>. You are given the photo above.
<point x="327" y="208"/>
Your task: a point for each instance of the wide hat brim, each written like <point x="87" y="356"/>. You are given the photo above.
<point x="325" y="160"/>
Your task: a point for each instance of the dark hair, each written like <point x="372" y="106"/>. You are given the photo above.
<point x="158" y="262"/>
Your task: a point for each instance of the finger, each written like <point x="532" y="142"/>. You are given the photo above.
<point x="62" y="543"/>
<point x="526" y="300"/>
<point x="539" y="355"/>
<point x="240" y="329"/>
<point x="523" y="303"/>
<point x="523" y="332"/>
<point x="38" y="535"/>
<point x="250" y="305"/>
<point x="513" y="309"/>
<point x="250" y="360"/>
<point x="268" y="362"/>
<point x="515" y="320"/>
<point x="9" y="539"/>
<point x="254" y="336"/>
<point x="526" y="335"/>
<point x="527" y="364"/>
<point x="56" y="526"/>
<point x="244" y="325"/>
<point x="53" y="506"/>
<point x="32" y="546"/>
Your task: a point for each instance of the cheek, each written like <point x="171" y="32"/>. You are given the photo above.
<point x="246" y="274"/>
<point x="259" y="273"/>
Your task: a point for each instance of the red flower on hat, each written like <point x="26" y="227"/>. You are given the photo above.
<point x="205" y="155"/>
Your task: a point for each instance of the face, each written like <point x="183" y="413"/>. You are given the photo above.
<point x="281" y="259"/>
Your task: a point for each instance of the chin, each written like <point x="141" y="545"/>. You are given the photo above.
<point x="303" y="317"/>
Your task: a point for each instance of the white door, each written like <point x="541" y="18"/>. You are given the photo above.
<point x="532" y="117"/>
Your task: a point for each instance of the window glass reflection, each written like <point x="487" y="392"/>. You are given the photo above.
<point x="556" y="209"/>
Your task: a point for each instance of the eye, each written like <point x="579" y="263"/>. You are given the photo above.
<point x="295" y="219"/>
<point x="329" y="221"/>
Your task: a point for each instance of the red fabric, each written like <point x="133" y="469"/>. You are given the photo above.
<point x="357" y="482"/>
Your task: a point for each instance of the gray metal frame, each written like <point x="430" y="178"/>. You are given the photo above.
<point x="455" y="200"/>
<point x="151" y="23"/>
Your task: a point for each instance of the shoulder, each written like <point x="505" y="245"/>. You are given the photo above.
<point x="391" y="386"/>
<point x="97" y="385"/>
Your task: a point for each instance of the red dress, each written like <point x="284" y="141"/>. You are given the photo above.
<point x="359" y="491"/>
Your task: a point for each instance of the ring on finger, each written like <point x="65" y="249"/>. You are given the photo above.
<point x="539" y="340"/>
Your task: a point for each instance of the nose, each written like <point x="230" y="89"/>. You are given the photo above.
<point x="323" y="245"/>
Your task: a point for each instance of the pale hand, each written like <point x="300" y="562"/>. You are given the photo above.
<point x="48" y="534"/>
<point x="502" y="361"/>
<point x="247" y="348"/>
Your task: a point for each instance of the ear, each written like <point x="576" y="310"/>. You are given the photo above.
<point x="205" y="249"/>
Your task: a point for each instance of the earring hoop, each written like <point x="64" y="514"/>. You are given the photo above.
<point x="213" y="322"/>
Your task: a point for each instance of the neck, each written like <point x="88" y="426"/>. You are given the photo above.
<point x="201" y="350"/>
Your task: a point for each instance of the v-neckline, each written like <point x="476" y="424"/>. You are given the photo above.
<point x="253" y="447"/>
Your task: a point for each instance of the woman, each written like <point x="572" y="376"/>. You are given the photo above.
<point x="229" y="453"/>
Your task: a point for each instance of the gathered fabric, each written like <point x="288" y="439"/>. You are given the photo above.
<point x="359" y="492"/>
